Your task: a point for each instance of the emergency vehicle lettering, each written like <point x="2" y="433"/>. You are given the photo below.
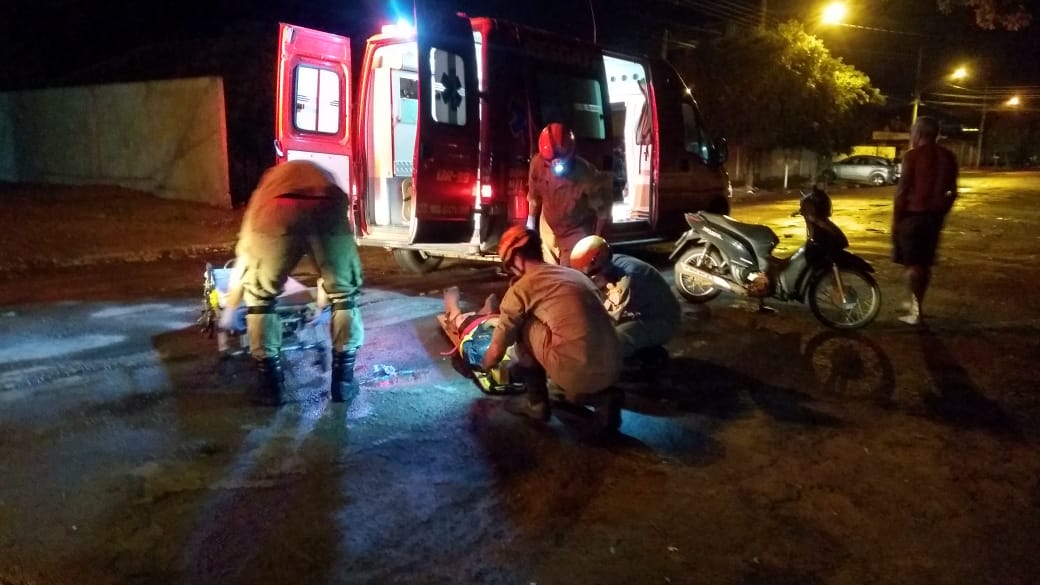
<point x="453" y="176"/>
<point x="441" y="210"/>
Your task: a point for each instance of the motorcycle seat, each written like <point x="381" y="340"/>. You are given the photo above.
<point x="762" y="238"/>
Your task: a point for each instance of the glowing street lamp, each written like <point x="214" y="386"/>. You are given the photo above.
<point x="959" y="74"/>
<point x="834" y="13"/>
<point x="1013" y="101"/>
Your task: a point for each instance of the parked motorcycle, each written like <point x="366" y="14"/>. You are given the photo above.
<point x="718" y="253"/>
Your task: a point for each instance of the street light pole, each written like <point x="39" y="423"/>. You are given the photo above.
<point x="917" y="90"/>
<point x="982" y="128"/>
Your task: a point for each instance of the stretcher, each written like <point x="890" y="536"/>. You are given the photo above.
<point x="469" y="343"/>
<point x="304" y="315"/>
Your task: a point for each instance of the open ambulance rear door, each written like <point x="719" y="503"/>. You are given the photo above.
<point x="448" y="135"/>
<point x="312" y="116"/>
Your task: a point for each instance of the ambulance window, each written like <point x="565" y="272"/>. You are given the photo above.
<point x="695" y="137"/>
<point x="317" y="100"/>
<point x="574" y="101"/>
<point x="449" y="87"/>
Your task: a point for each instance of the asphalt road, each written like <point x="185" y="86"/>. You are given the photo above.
<point x="774" y="451"/>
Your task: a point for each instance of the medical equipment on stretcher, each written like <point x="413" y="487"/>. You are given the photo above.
<point x="304" y="316"/>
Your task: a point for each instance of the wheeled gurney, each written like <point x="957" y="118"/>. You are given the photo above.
<point x="301" y="310"/>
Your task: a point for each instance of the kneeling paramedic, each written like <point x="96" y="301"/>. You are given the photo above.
<point x="567" y="197"/>
<point x="297" y="208"/>
<point x="637" y="297"/>
<point x="555" y="317"/>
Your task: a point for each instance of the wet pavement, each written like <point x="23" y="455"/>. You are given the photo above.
<point x="772" y="450"/>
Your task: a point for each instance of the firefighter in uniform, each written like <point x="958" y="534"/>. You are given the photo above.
<point x="561" y="332"/>
<point x="297" y="208"/>
<point x="640" y="300"/>
<point x="568" y="198"/>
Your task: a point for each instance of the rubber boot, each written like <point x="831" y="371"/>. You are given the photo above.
<point x="265" y="342"/>
<point x="606" y="414"/>
<point x="534" y="404"/>
<point x="644" y="366"/>
<point x="270" y="382"/>
<point x="344" y="385"/>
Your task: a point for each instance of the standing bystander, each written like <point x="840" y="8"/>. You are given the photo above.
<point x="926" y="193"/>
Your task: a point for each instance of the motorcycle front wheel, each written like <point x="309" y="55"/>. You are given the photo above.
<point x="692" y="287"/>
<point x="844" y="299"/>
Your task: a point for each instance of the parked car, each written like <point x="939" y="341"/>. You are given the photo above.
<point x="873" y="170"/>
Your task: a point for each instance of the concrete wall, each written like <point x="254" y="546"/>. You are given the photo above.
<point x="800" y="163"/>
<point x="165" y="137"/>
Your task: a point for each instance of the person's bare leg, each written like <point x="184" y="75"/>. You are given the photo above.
<point x="490" y="305"/>
<point x="918" y="278"/>
<point x="451" y="302"/>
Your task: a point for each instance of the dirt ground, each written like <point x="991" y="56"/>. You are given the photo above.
<point x="55" y="225"/>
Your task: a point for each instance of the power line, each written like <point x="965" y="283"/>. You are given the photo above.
<point x="718" y="10"/>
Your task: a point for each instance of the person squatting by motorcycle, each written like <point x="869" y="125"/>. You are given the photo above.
<point x="568" y="198"/>
<point x="645" y="311"/>
<point x="297" y="208"/>
<point x="553" y="324"/>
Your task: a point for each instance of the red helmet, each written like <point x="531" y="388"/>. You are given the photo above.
<point x="556" y="142"/>
<point x="590" y="255"/>
<point x="513" y="240"/>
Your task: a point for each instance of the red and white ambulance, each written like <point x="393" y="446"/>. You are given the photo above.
<point x="435" y="140"/>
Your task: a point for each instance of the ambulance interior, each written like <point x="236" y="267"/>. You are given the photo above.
<point x="633" y="133"/>
<point x="392" y="119"/>
<point x="392" y="116"/>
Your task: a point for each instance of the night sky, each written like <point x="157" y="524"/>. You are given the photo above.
<point x="49" y="42"/>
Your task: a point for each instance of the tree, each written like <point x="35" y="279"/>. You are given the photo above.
<point x="992" y="14"/>
<point x="1013" y="136"/>
<point x="779" y="88"/>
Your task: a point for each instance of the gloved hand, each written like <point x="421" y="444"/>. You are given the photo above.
<point x="617" y="297"/>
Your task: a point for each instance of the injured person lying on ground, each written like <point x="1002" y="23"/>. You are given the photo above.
<point x="470" y="335"/>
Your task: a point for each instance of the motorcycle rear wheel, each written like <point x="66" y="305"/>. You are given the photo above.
<point x="861" y="303"/>
<point x="691" y="287"/>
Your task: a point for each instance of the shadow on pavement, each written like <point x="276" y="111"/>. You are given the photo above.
<point x="695" y="386"/>
<point x="959" y="401"/>
<point x="846" y="364"/>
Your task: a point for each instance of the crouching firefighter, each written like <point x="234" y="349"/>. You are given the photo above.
<point x="297" y="208"/>
<point x="555" y="318"/>
<point x="645" y="311"/>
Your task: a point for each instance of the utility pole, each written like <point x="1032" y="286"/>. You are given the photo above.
<point x="982" y="128"/>
<point x="917" y="92"/>
<point x="917" y="87"/>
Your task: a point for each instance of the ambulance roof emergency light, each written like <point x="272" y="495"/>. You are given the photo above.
<point x="402" y="28"/>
